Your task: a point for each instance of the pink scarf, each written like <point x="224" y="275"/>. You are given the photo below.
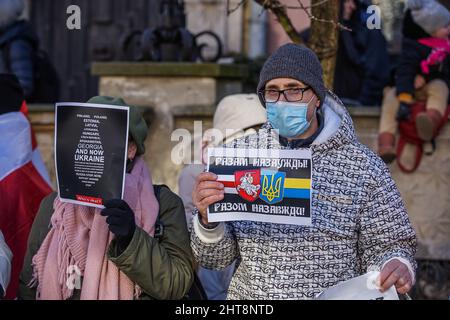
<point x="441" y="48"/>
<point x="78" y="242"/>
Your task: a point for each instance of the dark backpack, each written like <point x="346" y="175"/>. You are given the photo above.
<point x="46" y="79"/>
<point x="196" y="292"/>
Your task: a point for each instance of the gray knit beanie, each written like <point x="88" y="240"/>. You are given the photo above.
<point x="429" y="14"/>
<point x="296" y="62"/>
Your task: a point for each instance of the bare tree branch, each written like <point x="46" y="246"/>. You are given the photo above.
<point x="280" y="12"/>
<point x="336" y="24"/>
<point x="306" y="7"/>
<point x="230" y="11"/>
<point x="317" y="4"/>
<point x="323" y="40"/>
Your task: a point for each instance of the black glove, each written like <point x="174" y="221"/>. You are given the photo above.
<point x="403" y="112"/>
<point x="120" y="219"/>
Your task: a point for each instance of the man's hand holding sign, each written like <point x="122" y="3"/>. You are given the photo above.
<point x="207" y="191"/>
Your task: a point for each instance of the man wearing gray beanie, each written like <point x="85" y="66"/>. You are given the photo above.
<point x="359" y="222"/>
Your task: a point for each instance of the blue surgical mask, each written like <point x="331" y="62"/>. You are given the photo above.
<point x="289" y="118"/>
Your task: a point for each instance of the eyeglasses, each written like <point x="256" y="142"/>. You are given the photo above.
<point x="290" y="94"/>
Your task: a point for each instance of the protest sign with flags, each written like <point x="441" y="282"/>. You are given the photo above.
<point x="262" y="185"/>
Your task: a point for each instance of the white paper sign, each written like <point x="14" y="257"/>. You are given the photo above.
<point x="360" y="288"/>
<point x="91" y="142"/>
<point x="262" y="185"/>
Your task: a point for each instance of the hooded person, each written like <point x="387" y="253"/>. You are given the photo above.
<point x="79" y="252"/>
<point x="236" y="116"/>
<point x="359" y="221"/>
<point x="18" y="44"/>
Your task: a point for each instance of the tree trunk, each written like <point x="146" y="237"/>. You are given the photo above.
<point x="324" y="36"/>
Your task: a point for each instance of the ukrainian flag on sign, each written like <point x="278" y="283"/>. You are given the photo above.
<point x="272" y="186"/>
<point x="275" y="187"/>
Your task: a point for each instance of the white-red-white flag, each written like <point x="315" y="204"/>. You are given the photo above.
<point x="24" y="182"/>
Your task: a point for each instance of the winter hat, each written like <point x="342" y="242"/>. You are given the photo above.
<point x="11" y="93"/>
<point x="238" y="112"/>
<point x="10" y="11"/>
<point x="296" y="62"/>
<point x="429" y="14"/>
<point x="138" y="127"/>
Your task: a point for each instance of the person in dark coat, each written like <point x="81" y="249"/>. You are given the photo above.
<point x="362" y="57"/>
<point x="18" y="44"/>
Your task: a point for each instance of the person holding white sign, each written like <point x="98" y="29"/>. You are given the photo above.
<point x="118" y="253"/>
<point x="359" y="221"/>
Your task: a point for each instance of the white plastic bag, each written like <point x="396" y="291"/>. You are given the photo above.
<point x="360" y="288"/>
